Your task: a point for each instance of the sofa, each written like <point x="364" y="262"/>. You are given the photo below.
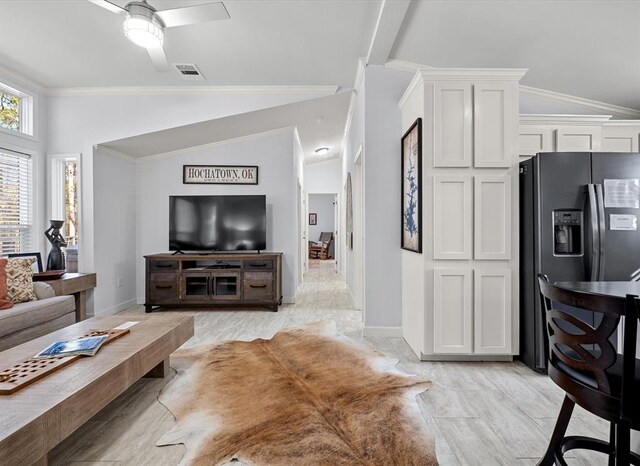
<point x="32" y="319"/>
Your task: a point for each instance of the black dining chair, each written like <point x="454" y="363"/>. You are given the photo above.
<point x="585" y="364"/>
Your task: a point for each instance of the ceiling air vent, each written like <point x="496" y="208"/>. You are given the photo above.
<point x="189" y="71"/>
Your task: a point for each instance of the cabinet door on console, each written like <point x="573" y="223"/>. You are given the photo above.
<point x="258" y="264"/>
<point x="258" y="285"/>
<point x="226" y="286"/>
<point x="163" y="288"/>
<point x="195" y="286"/>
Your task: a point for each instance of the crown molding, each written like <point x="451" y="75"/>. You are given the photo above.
<point x="616" y="110"/>
<point x="568" y="119"/>
<point x="417" y="81"/>
<point x="191" y="90"/>
<point x="477" y="74"/>
<point x="404" y="65"/>
<point x="17" y="80"/>
<point x="114" y="153"/>
<point x="249" y="137"/>
<point x="623" y="123"/>
<point x="362" y="65"/>
<point x="347" y="126"/>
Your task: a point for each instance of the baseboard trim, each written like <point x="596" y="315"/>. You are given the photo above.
<point x="288" y="300"/>
<point x="467" y="357"/>
<point x="117" y="308"/>
<point x="382" y="331"/>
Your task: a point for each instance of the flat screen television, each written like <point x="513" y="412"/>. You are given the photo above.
<point x="217" y="223"/>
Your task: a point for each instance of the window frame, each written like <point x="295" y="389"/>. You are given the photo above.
<point x="55" y="188"/>
<point x="31" y="193"/>
<point x="27" y="112"/>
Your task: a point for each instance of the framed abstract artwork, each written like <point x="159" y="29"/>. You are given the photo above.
<point x="313" y="219"/>
<point x="411" y="204"/>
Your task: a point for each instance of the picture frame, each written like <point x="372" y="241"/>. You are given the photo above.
<point x="36" y="266"/>
<point x="313" y="219"/>
<point x="220" y="174"/>
<point x="411" y="191"/>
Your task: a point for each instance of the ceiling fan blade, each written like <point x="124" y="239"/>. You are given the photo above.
<point x="194" y="14"/>
<point x="159" y="59"/>
<point x="112" y="7"/>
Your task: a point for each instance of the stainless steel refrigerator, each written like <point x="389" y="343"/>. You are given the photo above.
<point x="578" y="222"/>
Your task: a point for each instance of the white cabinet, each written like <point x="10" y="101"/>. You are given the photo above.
<point x="533" y="139"/>
<point x="492" y="316"/>
<point x="578" y="138"/>
<point x="452" y="124"/>
<point x="452" y="225"/>
<point x="621" y="136"/>
<point x="494" y="128"/>
<point x="470" y="157"/>
<point x="492" y="217"/>
<point x="482" y="112"/>
<point x="452" y="312"/>
<point x="562" y="133"/>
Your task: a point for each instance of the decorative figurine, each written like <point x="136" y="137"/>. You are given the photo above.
<point x="55" y="261"/>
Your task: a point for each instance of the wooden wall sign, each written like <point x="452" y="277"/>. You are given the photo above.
<point x="219" y="174"/>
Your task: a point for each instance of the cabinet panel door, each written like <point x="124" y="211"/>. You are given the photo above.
<point x="492" y="311"/>
<point x="578" y="138"/>
<point x="452" y="313"/>
<point x="492" y="217"/>
<point x="534" y="139"/>
<point x="452" y="224"/>
<point x="619" y="144"/>
<point x="452" y="124"/>
<point x="495" y="125"/>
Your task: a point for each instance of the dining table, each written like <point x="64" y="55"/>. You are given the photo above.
<point x="611" y="289"/>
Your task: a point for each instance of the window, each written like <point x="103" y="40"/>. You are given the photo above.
<point x="16" y="222"/>
<point x="64" y="194"/>
<point x="9" y="111"/>
<point x="16" y="110"/>
<point x="71" y="201"/>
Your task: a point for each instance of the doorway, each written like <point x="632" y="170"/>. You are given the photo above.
<point x="322" y="225"/>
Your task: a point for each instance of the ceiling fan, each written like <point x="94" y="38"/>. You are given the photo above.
<point x="144" y="25"/>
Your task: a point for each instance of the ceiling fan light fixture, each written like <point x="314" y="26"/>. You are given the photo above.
<point x="142" y="27"/>
<point x="322" y="150"/>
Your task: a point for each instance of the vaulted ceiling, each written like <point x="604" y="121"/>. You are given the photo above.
<point x="587" y="48"/>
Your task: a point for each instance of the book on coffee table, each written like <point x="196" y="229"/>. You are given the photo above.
<point x="81" y="347"/>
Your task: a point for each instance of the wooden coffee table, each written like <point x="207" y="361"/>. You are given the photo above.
<point x="38" y="417"/>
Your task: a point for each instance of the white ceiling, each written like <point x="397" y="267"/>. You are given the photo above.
<point x="589" y="49"/>
<point x="320" y="123"/>
<point x="586" y="48"/>
<point x="74" y="43"/>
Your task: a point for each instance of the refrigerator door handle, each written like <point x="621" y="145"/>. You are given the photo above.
<point x="595" y="234"/>
<point x="602" y="229"/>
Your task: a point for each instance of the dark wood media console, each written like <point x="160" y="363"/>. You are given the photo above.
<point x="217" y="279"/>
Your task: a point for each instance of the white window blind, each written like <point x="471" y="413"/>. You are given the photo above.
<point x="16" y="220"/>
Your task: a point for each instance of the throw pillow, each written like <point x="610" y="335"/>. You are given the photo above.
<point x="20" y="279"/>
<point x="4" y="301"/>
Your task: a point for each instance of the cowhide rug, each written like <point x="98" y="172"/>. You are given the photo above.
<point x="306" y="397"/>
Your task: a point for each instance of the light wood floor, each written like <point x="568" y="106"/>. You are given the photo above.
<point x="483" y="414"/>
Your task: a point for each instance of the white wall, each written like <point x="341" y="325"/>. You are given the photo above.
<point x="377" y="126"/>
<point x="159" y="178"/>
<point x="322" y="205"/>
<point x="355" y="139"/>
<point x="76" y="123"/>
<point x="383" y="130"/>
<point x="115" y="232"/>
<point x="323" y="177"/>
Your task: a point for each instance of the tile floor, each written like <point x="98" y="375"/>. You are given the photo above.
<point x="486" y="414"/>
